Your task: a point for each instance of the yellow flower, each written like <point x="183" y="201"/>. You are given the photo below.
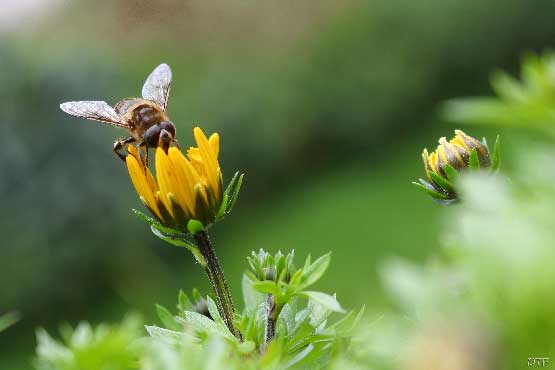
<point x="455" y="153"/>
<point x="186" y="187"/>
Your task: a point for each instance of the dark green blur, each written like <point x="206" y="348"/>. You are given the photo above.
<point x="325" y="106"/>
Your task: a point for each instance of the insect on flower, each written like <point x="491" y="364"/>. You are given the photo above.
<point x="186" y="187"/>
<point x="145" y="118"/>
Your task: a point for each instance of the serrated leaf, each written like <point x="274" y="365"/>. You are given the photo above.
<point x="315" y="271"/>
<point x="326" y="300"/>
<point x="167" y="318"/>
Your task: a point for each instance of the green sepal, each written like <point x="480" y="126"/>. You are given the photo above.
<point x="231" y="183"/>
<point x="194" y="226"/>
<point x="431" y="191"/>
<point x="441" y="182"/>
<point x="223" y="207"/>
<point x="451" y="173"/>
<point x="155" y="223"/>
<point x="236" y="190"/>
<point x="180" y="240"/>
<point x="167" y="318"/>
<point x="473" y="160"/>
<point x="496" y="159"/>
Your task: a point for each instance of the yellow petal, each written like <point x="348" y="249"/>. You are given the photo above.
<point x="164" y="175"/>
<point x="140" y="182"/>
<point x="187" y="177"/>
<point x="214" y="141"/>
<point x="209" y="160"/>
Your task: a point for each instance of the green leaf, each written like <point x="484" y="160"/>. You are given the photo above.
<point x="266" y="286"/>
<point x="195" y="226"/>
<point x="473" y="160"/>
<point x="496" y="160"/>
<point x="183" y="302"/>
<point x="8" y="320"/>
<point x="315" y="271"/>
<point x="235" y="194"/>
<point x="214" y="312"/>
<point x="251" y="297"/>
<point x="246" y="347"/>
<point x="167" y="318"/>
<point x="326" y="300"/>
<point x="161" y="333"/>
<point x="203" y="324"/>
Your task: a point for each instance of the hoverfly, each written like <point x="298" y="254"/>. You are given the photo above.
<point x="145" y="118"/>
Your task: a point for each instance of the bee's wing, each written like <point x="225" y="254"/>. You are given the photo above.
<point x="94" y="110"/>
<point x="157" y="85"/>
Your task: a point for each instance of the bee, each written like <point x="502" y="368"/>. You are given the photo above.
<point x="144" y="118"/>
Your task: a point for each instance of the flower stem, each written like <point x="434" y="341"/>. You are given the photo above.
<point x="219" y="284"/>
<point x="270" y="324"/>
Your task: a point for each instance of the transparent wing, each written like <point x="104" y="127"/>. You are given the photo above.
<point x="94" y="110"/>
<point x="157" y="85"/>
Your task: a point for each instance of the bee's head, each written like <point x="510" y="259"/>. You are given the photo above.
<point x="165" y="139"/>
<point x="160" y="135"/>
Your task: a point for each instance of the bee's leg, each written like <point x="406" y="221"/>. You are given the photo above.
<point x="118" y="146"/>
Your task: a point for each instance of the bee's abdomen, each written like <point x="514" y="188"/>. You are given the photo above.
<point x="145" y="116"/>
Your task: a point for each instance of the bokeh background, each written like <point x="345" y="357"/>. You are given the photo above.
<point x="325" y="105"/>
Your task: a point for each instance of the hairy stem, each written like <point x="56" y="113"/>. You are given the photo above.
<point x="219" y="284"/>
<point x="270" y="324"/>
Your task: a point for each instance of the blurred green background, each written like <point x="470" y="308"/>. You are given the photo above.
<point x="324" y="105"/>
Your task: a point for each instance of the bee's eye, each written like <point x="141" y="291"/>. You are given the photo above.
<point x="151" y="136"/>
<point x="168" y="126"/>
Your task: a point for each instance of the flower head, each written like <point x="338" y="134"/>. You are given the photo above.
<point x="186" y="187"/>
<point x="443" y="165"/>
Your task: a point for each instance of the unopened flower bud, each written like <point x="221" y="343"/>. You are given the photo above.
<point x="269" y="273"/>
<point x="451" y="157"/>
